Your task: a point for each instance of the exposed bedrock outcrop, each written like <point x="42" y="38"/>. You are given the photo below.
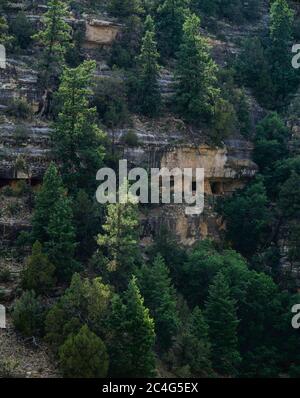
<point x="226" y="169"/>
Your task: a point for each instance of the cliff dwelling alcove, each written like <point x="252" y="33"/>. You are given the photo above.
<point x="3" y="182"/>
<point x="217" y="187"/>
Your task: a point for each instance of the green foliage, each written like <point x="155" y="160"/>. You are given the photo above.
<point x="130" y="138"/>
<point x="55" y="37"/>
<point x="84" y="302"/>
<point x="87" y="219"/>
<point x="51" y="191"/>
<point x="5" y="38"/>
<point x="84" y="355"/>
<point x="224" y="120"/>
<point x="170" y="16"/>
<point x="148" y="94"/>
<point x="8" y="366"/>
<point x="174" y="255"/>
<point x="271" y="147"/>
<point x="201" y="266"/>
<point x="124" y="8"/>
<point x="38" y="274"/>
<point x="132" y="337"/>
<point x="255" y="74"/>
<point x="160" y="298"/>
<point x="5" y="275"/>
<point x="190" y="353"/>
<point x="74" y="55"/>
<point x="196" y="92"/>
<point x="52" y="224"/>
<point x="127" y="45"/>
<point x="120" y="240"/>
<point x="234" y="10"/>
<point x="282" y="73"/>
<point x="222" y="320"/>
<point x="22" y="30"/>
<point x="21" y="134"/>
<point x="60" y="244"/>
<point x="77" y="140"/>
<point x="248" y="218"/>
<point x="270" y="72"/>
<point x="28" y="314"/>
<point x="19" y="108"/>
<point x="110" y="99"/>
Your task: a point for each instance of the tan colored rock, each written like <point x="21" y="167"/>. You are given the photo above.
<point x="100" y="33"/>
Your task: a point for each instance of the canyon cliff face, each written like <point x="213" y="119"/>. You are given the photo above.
<point x="226" y="169"/>
<point x="25" y="152"/>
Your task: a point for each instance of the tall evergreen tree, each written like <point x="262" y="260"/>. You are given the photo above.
<point x="120" y="240"/>
<point x="51" y="191"/>
<point x="60" y="245"/>
<point x="77" y="140"/>
<point x="200" y="347"/>
<point x="196" y="92"/>
<point x="52" y="223"/>
<point x="149" y="98"/>
<point x="132" y="342"/>
<point x="55" y="38"/>
<point x="221" y="317"/>
<point x="281" y="28"/>
<point x="160" y="298"/>
<point x="170" y="16"/>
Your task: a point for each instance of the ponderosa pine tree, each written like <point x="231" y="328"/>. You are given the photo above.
<point x="52" y="224"/>
<point x="170" y="16"/>
<point x="197" y="91"/>
<point x="55" y="37"/>
<point x="220" y="314"/>
<point x="120" y="240"/>
<point x="77" y="139"/>
<point x="132" y="336"/>
<point x="50" y="193"/>
<point x="84" y="355"/>
<point x="160" y="298"/>
<point x="149" y="98"/>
